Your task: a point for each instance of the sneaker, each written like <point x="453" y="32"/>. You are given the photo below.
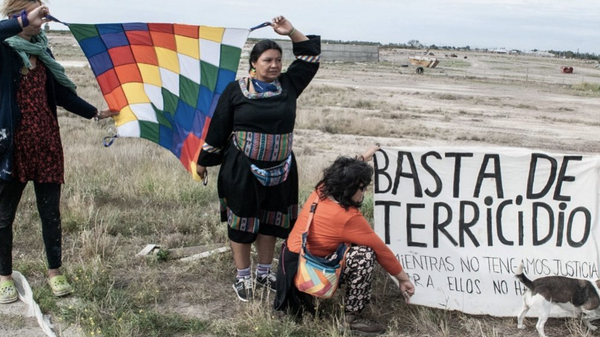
<point x="267" y="280"/>
<point x="8" y="292"/>
<point x="243" y="288"/>
<point x="362" y="326"/>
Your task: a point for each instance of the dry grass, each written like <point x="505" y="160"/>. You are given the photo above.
<point x="118" y="199"/>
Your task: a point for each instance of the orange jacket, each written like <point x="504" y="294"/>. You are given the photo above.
<point x="332" y="225"/>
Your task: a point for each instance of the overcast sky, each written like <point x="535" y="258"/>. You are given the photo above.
<point x="511" y="24"/>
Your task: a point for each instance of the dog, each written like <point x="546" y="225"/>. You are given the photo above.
<point x="574" y="295"/>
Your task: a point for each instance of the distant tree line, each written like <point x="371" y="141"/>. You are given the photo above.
<point x="575" y="55"/>
<point x="369" y="43"/>
<point x="415" y="44"/>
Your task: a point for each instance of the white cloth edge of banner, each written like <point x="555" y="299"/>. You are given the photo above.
<point x="26" y="295"/>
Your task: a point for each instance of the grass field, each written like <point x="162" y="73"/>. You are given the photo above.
<point x="117" y="200"/>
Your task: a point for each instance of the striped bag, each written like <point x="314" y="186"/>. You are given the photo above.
<point x="319" y="276"/>
<point x="273" y="175"/>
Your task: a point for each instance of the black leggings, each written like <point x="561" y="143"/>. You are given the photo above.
<point x="48" y="202"/>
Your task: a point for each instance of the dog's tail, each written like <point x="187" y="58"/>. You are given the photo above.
<point x="521" y="277"/>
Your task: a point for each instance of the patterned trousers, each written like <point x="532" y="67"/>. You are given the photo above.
<point x="358" y="276"/>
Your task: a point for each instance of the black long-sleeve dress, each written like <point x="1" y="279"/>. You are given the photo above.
<point x="251" y="136"/>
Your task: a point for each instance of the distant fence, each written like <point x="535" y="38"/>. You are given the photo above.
<point x="555" y="77"/>
<point x="337" y="52"/>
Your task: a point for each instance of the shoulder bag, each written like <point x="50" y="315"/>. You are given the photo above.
<point x="319" y="276"/>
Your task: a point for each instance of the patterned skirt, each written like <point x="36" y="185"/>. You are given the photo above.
<point x="246" y="204"/>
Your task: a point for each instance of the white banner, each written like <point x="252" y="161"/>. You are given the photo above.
<point x="461" y="219"/>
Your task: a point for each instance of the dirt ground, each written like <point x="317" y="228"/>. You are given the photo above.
<point x="15" y="322"/>
<point x="484" y="100"/>
<point x="475" y="99"/>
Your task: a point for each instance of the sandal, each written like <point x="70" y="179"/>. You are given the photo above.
<point x="60" y="286"/>
<point x="8" y="292"/>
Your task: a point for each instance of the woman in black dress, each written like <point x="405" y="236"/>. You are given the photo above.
<point x="251" y="136"/>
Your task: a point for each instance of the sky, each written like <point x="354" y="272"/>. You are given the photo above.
<point x="511" y="24"/>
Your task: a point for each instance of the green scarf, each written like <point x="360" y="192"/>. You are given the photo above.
<point x="38" y="46"/>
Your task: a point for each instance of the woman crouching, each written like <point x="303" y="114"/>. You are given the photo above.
<point x="337" y="219"/>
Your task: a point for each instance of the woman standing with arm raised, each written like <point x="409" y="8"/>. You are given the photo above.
<point x="251" y="137"/>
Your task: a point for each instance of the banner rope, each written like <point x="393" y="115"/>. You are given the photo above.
<point x="55" y="19"/>
<point x="262" y="25"/>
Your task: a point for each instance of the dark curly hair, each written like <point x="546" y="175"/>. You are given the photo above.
<point x="260" y="47"/>
<point x="343" y="178"/>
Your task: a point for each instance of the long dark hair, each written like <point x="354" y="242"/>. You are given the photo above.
<point x="343" y="178"/>
<point x="260" y="47"/>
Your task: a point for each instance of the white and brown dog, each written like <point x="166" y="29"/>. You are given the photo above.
<point x="573" y="295"/>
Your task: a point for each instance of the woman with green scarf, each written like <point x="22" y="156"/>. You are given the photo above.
<point x="32" y="85"/>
